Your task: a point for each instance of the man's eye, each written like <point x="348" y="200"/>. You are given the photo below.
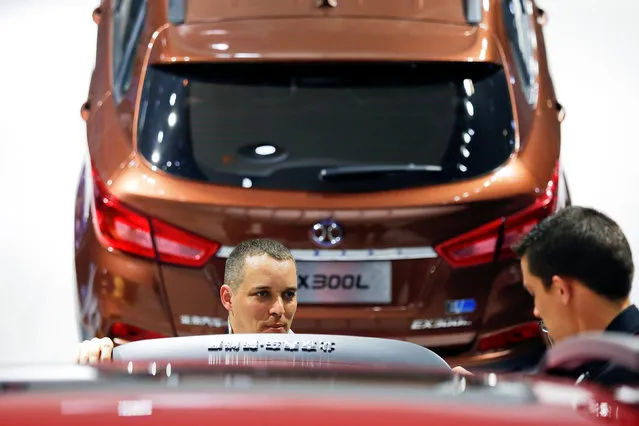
<point x="261" y="294"/>
<point x="289" y="294"/>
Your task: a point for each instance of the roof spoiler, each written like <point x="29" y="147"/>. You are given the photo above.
<point x="177" y="10"/>
<point x="473" y="11"/>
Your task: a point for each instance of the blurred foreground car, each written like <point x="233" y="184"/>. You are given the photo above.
<point x="313" y="379"/>
<point x="397" y="147"/>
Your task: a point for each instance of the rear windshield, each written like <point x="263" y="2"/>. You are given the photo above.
<point x="327" y="127"/>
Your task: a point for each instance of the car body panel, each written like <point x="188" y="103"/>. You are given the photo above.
<point x="122" y="394"/>
<point x="197" y="408"/>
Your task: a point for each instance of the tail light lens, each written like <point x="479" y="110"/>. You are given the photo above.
<point x="508" y="338"/>
<point x="118" y="227"/>
<point x="121" y="228"/>
<point x="130" y="333"/>
<point x="494" y="240"/>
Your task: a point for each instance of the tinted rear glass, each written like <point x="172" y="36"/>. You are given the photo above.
<point x="277" y="126"/>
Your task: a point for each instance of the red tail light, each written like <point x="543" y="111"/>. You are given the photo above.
<point x="120" y="228"/>
<point x="131" y="333"/>
<point x="494" y="240"/>
<point x="510" y="337"/>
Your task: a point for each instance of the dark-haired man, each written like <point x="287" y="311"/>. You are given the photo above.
<point x="578" y="267"/>
<point x="259" y="292"/>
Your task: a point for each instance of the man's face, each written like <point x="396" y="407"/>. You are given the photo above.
<point x="551" y="305"/>
<point x="266" y="301"/>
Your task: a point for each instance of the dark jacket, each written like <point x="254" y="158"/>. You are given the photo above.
<point x="606" y="373"/>
<point x="603" y="372"/>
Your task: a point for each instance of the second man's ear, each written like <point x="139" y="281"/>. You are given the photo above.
<point x="563" y="288"/>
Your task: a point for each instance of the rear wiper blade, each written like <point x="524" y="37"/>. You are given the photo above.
<point x="376" y="170"/>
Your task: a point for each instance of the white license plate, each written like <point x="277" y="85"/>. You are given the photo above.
<point x="343" y="282"/>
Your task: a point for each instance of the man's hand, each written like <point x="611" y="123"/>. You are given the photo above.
<point x="94" y="351"/>
<point x="461" y="371"/>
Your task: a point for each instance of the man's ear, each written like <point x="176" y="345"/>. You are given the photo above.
<point x="563" y="288"/>
<point x="226" y="296"/>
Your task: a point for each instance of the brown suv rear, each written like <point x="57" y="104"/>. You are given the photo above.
<point x="397" y="147"/>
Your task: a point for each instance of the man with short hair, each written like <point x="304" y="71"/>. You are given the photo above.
<point x="259" y="292"/>
<point x="260" y="288"/>
<point x="578" y="267"/>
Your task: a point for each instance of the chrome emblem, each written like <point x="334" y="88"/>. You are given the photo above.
<point x="438" y="323"/>
<point x="327" y="233"/>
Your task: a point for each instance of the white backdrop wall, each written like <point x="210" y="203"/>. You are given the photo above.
<point x="48" y="52"/>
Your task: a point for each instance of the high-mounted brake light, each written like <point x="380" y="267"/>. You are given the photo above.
<point x="494" y="240"/>
<point x="121" y="228"/>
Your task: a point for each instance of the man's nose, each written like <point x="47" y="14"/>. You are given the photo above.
<point x="278" y="307"/>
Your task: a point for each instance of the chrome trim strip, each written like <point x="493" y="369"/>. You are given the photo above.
<point x="358" y="255"/>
